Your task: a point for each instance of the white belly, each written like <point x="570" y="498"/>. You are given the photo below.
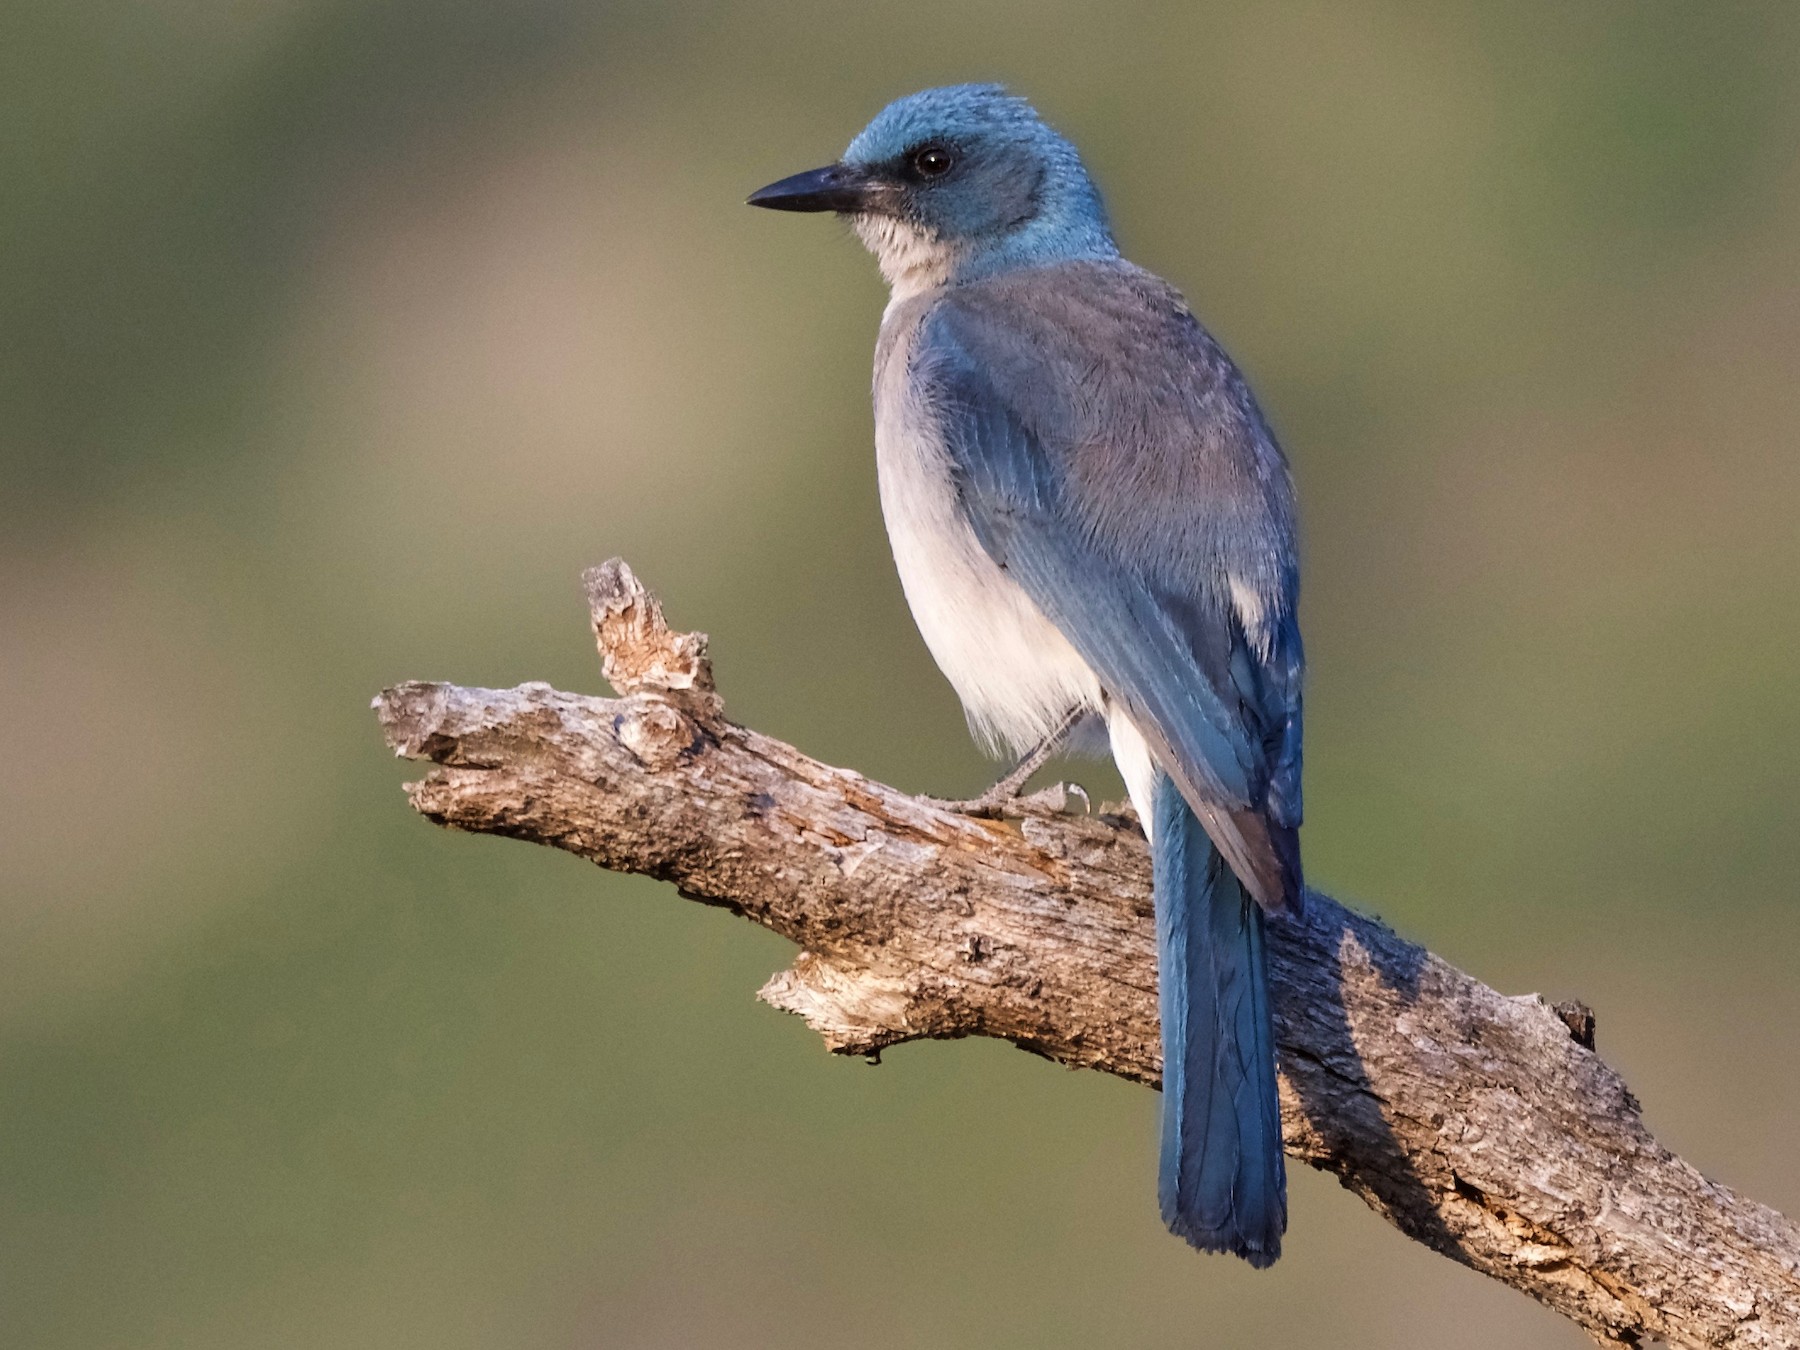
<point x="1016" y="674"/>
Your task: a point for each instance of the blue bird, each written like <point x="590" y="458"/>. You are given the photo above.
<point x="1091" y="520"/>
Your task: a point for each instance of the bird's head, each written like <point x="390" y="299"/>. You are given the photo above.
<point x="956" y="182"/>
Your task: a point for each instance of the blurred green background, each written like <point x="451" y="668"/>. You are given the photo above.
<point x="338" y="335"/>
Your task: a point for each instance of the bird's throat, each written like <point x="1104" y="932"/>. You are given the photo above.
<point x="911" y="260"/>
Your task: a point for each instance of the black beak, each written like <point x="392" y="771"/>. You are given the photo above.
<point x="836" y="187"/>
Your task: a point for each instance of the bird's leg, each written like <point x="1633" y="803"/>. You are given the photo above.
<point x="1005" y="792"/>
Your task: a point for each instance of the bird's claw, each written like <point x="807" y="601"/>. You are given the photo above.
<point x="1051" y="801"/>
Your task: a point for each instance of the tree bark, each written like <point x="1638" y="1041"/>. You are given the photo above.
<point x="1482" y="1125"/>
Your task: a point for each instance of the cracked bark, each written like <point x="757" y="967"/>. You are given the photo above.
<point x="1482" y="1125"/>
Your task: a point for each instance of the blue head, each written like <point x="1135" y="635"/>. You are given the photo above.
<point x="953" y="183"/>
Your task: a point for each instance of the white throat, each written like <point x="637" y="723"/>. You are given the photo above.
<point x="911" y="260"/>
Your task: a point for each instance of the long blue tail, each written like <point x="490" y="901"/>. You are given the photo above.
<point x="1222" y="1181"/>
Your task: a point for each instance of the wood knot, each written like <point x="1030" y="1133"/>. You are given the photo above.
<point x="655" y="732"/>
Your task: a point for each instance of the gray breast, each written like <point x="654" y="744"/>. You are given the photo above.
<point x="1016" y="674"/>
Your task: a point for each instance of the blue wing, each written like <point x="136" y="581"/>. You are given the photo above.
<point x="1152" y="617"/>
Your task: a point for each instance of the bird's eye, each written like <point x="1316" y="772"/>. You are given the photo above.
<point x="932" y="161"/>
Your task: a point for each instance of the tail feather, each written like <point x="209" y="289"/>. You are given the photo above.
<point x="1222" y="1181"/>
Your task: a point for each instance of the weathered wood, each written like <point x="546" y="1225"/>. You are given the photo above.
<point x="1476" y="1123"/>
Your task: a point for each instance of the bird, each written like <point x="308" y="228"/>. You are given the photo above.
<point x="1093" y="523"/>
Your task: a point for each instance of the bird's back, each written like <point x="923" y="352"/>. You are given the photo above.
<point x="1157" y="442"/>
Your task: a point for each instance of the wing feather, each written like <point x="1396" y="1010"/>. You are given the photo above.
<point x="1219" y="706"/>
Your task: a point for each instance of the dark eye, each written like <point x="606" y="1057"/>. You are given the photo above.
<point x="932" y="161"/>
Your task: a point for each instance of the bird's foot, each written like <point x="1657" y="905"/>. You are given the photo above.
<point x="1004" y="800"/>
<point x="1008" y="797"/>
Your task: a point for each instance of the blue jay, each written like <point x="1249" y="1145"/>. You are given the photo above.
<point x="1091" y="518"/>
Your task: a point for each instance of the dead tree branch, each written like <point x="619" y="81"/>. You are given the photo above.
<point x="1481" y="1125"/>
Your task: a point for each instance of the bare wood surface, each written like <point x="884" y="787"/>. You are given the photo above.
<point x="1481" y="1125"/>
